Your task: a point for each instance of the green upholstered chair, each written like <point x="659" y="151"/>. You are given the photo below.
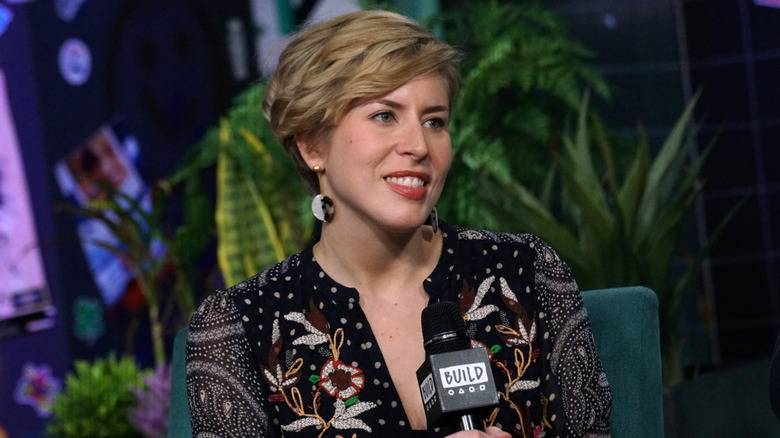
<point x="179" y="416"/>
<point x="625" y="325"/>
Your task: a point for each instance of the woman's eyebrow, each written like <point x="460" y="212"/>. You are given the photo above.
<point x="397" y="105"/>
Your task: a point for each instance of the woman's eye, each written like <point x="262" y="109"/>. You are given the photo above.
<point x="384" y="117"/>
<point x="436" y="123"/>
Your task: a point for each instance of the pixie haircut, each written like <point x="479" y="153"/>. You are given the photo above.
<point x="328" y="69"/>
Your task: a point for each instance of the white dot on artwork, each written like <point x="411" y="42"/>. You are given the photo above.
<point x="359" y="325"/>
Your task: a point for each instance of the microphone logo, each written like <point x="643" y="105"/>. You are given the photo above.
<point x="427" y="389"/>
<point x="463" y="375"/>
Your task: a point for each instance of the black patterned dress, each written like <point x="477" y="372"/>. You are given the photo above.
<point x="290" y="353"/>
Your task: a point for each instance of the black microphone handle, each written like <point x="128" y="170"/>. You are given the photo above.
<point x="470" y="422"/>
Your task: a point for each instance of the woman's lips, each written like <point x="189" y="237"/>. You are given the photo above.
<point x="411" y="187"/>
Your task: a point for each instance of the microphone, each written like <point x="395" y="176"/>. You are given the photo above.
<point x="456" y="383"/>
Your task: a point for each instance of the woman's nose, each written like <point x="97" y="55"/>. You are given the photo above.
<point x="414" y="142"/>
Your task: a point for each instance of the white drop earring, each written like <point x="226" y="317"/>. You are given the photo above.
<point x="321" y="205"/>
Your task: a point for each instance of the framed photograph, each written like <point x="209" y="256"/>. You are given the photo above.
<point x="105" y="159"/>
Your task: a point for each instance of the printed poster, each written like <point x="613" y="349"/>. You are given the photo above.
<point x="23" y="288"/>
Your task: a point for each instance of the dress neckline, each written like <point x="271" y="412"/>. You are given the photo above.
<point x="322" y="283"/>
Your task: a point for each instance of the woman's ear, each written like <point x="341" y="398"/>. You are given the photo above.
<point x="309" y="150"/>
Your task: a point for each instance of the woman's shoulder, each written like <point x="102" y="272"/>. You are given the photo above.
<point x="541" y="251"/>
<point x="225" y="303"/>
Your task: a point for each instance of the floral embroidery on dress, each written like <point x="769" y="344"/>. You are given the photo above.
<point x="519" y="335"/>
<point x="315" y="324"/>
<point x="470" y="302"/>
<point x="336" y="379"/>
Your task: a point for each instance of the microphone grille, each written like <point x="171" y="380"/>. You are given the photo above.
<point x="439" y="319"/>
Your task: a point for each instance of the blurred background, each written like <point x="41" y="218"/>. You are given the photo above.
<point x="124" y="123"/>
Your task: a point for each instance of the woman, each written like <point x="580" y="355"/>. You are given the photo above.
<point x="327" y="342"/>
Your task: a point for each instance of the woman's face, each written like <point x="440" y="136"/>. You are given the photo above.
<point x="386" y="161"/>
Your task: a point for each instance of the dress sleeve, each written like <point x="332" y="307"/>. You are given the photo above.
<point x="578" y="376"/>
<point x="224" y="387"/>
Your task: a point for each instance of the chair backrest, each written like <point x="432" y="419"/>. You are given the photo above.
<point x="179" y="415"/>
<point x="625" y="325"/>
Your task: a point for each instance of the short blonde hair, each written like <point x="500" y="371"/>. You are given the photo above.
<point x="327" y="70"/>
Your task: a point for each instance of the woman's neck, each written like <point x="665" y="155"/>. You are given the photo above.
<point x="375" y="260"/>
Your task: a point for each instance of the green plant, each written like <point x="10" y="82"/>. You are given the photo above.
<point x="522" y="76"/>
<point x="262" y="212"/>
<point x="97" y="399"/>
<point x="140" y="234"/>
<point x="619" y="228"/>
